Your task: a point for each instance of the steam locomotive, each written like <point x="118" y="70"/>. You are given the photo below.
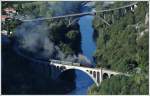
<point x="69" y="63"/>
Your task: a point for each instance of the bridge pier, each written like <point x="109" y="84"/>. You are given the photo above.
<point x="100" y="77"/>
<point x="69" y="22"/>
<point x="125" y="11"/>
<point x="109" y="75"/>
<point x="97" y="75"/>
<point x="132" y="8"/>
<point x="112" y="17"/>
<point x="104" y="16"/>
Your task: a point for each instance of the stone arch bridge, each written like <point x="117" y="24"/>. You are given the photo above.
<point x="96" y="74"/>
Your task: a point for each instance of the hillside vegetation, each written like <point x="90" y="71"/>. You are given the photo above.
<point x="58" y="31"/>
<point x="45" y="39"/>
<point x="123" y="47"/>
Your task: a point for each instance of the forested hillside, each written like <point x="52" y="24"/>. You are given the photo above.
<point x="51" y="39"/>
<point x="58" y="32"/>
<point x="123" y="47"/>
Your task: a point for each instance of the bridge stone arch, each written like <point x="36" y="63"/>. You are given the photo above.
<point x="87" y="72"/>
<point x="105" y="76"/>
<point x="96" y="74"/>
<point x="57" y="67"/>
<point x="111" y="75"/>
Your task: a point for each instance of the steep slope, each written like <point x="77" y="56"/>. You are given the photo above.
<point x="123" y="47"/>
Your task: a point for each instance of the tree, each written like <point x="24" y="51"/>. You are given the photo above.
<point x="121" y="47"/>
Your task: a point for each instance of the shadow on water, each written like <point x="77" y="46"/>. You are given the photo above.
<point x="83" y="81"/>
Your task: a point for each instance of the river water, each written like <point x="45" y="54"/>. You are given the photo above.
<point x="83" y="81"/>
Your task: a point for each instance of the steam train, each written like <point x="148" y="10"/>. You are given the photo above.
<point x="70" y="63"/>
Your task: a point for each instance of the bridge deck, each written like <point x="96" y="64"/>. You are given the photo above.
<point x="80" y="14"/>
<point x="87" y="68"/>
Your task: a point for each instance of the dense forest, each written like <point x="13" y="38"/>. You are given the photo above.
<point x="58" y="31"/>
<point x="45" y="39"/>
<point x="123" y="47"/>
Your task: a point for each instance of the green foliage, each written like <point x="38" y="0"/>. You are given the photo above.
<point x="10" y="24"/>
<point x="141" y="11"/>
<point x="34" y="9"/>
<point x="74" y="38"/>
<point x="121" y="37"/>
<point x="68" y="39"/>
<point x="58" y="31"/>
<point x="72" y="34"/>
<point x="66" y="49"/>
<point x="143" y="54"/>
<point x="63" y="36"/>
<point x="121" y="47"/>
<point x="121" y="85"/>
